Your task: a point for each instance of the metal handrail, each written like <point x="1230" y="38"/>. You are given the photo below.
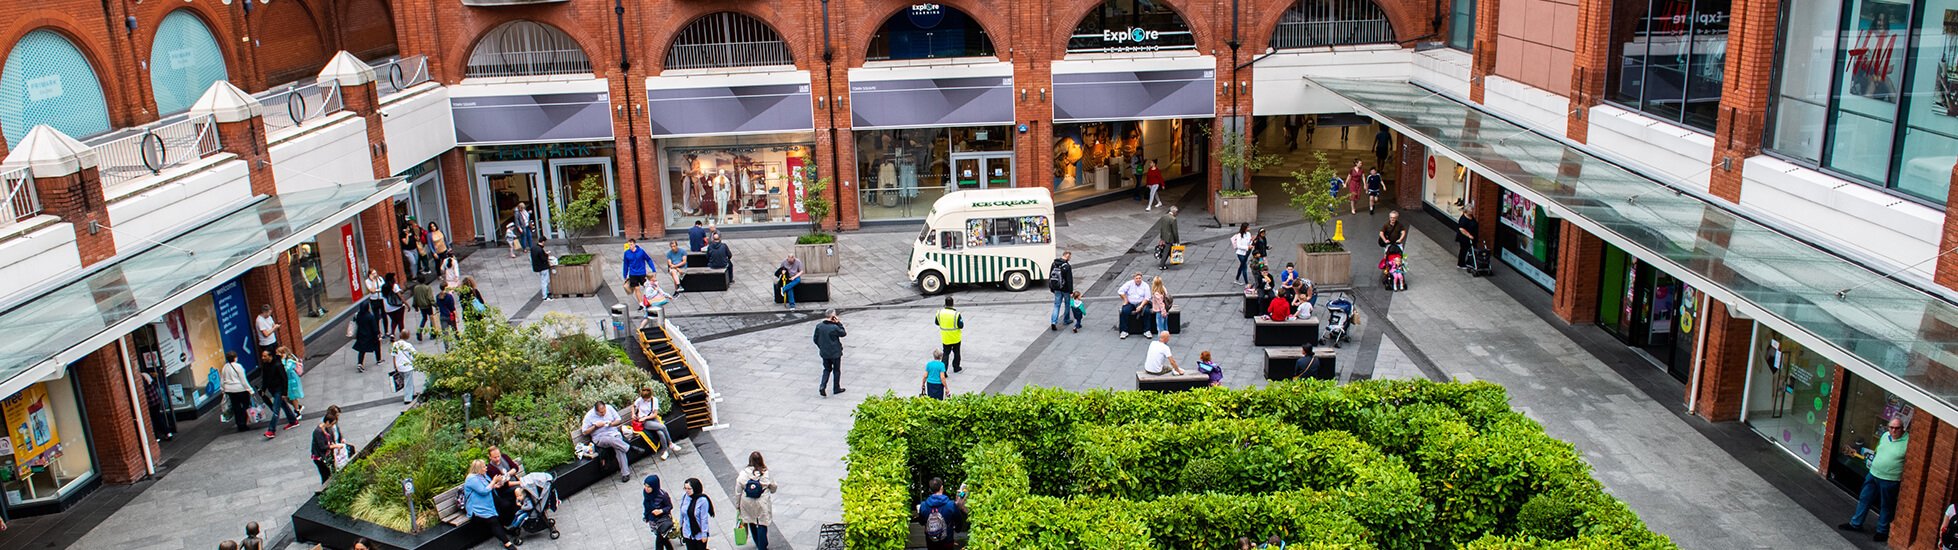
<point x="396" y="75"/>
<point x="299" y="103"/>
<point x="23" y="201"/>
<point x="155" y="149"/>
<point x="530" y="63"/>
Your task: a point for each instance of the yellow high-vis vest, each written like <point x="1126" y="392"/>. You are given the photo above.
<point x="949" y="326"/>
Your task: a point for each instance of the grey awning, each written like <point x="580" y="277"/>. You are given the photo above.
<point x="730" y="110"/>
<point x="47" y="330"/>
<point x="1902" y="337"/>
<point x="931" y="102"/>
<point x="1135" y="95"/>
<point x="533" y="118"/>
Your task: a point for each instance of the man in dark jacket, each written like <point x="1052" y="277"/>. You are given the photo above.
<point x="1060" y="279"/>
<point x="950" y="510"/>
<point x="1165" y="237"/>
<point x="540" y="262"/>
<point x="829" y="344"/>
<point x="1466" y="230"/>
<point x="720" y="257"/>
<point x="696" y="237"/>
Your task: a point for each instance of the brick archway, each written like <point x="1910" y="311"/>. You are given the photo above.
<point x="1075" y="11"/>
<point x="802" y="51"/>
<point x="991" y="20"/>
<point x="462" y="50"/>
<point x="1403" y="16"/>
<point x="116" y="99"/>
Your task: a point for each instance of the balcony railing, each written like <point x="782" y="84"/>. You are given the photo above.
<point x="125" y="156"/>
<point x="542" y="62"/>
<point x="1308" y="34"/>
<point x="394" y="75"/>
<point x="22" y="202"/>
<point x="296" y="104"/>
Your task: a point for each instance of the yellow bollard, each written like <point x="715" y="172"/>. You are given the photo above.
<point x="1339" y="230"/>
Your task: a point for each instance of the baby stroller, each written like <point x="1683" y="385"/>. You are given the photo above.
<point x="536" y="499"/>
<point x="1393" y="262"/>
<point x="1339" y="320"/>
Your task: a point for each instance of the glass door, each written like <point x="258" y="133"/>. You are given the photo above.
<point x="501" y="186"/>
<point x="967" y="172"/>
<point x="570" y="177"/>
<point x="998" y="170"/>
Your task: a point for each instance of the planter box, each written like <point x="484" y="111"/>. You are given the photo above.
<point x="578" y="280"/>
<point x="819" y="258"/>
<point x="1235" y="210"/>
<point x="1327" y="269"/>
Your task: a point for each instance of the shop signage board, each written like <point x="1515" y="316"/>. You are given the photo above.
<point x="1519" y="214"/>
<point x="532" y="118"/>
<point x="30" y="424"/>
<point x="931" y="102"/>
<point x="797" y="179"/>
<point x="1135" y="95"/>
<point x="353" y="264"/>
<point x="1525" y="269"/>
<point x="235" y="322"/>
<point x="730" y="110"/>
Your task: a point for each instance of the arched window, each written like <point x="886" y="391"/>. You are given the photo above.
<point x="727" y="39"/>
<point x="1131" y="26"/>
<point x="925" y="31"/>
<point x="1313" y="23"/>
<point x="524" y="48"/>
<point x="184" y="61"/>
<point x="47" y="81"/>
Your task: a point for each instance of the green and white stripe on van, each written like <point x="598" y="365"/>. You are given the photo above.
<point x="983" y="268"/>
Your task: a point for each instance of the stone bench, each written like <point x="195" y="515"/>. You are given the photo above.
<point x="703" y="279"/>
<point x="1282" y="363"/>
<point x="1297" y="332"/>
<point x="813" y="288"/>
<point x="1253" y="306"/>
<point x="1170" y="382"/>
<point x="1176" y="318"/>
<point x="696" y="259"/>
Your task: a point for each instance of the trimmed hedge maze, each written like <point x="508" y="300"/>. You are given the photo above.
<point x="1376" y="464"/>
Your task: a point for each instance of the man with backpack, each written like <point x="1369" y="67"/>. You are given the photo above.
<point x="1060" y="279"/>
<point x="938" y="513"/>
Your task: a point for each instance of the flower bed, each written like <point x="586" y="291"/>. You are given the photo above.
<point x="1377" y="464"/>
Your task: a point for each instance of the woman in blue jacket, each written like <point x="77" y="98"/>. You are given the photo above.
<point x="696" y="516"/>
<point x="480" y="501"/>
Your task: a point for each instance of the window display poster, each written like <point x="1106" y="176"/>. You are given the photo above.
<point x="796" y="182"/>
<point x="1519" y="214"/>
<point x="30" y="423"/>
<point x="173" y="342"/>
<point x="235" y="322"/>
<point x="1945" y="80"/>
<point x="1874" y="65"/>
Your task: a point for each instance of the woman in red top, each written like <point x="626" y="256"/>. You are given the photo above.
<point x="1280" y="308"/>
<point x="1154" y="179"/>
<point x="1355" y="182"/>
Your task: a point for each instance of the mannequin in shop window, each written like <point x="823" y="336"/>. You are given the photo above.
<point x="721" y="191"/>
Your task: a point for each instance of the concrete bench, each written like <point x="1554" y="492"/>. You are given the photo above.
<point x="813" y="288"/>
<point x="1295" y="332"/>
<point x="1282" y="363"/>
<point x="1175" y="318"/>
<point x="1170" y="382"/>
<point x="703" y="279"/>
<point x="696" y="259"/>
<point x="1253" y="306"/>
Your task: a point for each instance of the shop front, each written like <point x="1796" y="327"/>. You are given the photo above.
<point x="734" y="149"/>
<point x="1800" y="400"/>
<point x="1527" y="239"/>
<point x="48" y="456"/>
<point x="1114" y="115"/>
<point x="537" y="149"/>
<point x="180" y="349"/>
<point x="921" y="132"/>
<point x="1647" y="309"/>
<point x="425" y="202"/>
<point x="1444" y="185"/>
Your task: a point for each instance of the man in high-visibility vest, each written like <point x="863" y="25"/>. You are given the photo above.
<point x="950" y="326"/>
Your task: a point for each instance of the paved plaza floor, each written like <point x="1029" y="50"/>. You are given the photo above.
<point x="1704" y="485"/>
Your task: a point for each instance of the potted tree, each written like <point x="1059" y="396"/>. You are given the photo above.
<point x="1236" y="203"/>
<point x="580" y="274"/>
<point x="817" y="249"/>
<point x="1325" y="259"/>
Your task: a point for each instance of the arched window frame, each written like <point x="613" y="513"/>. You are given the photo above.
<point x="526" y="48"/>
<point x="169" y="68"/>
<point x="1120" y="26"/>
<point x="77" y="123"/>
<point x="976" y="45"/>
<point x="1320" y="23"/>
<point x="727" y="39"/>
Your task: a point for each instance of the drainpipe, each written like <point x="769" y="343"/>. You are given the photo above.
<point x="1699" y="355"/>
<point x="135" y="398"/>
<point x="1239" y="179"/>
<point x="631" y="129"/>
<point x="829" y="89"/>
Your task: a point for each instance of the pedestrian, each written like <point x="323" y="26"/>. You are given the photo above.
<point x="1280" y="307"/>
<point x="438" y="242"/>
<point x="295" y="391"/>
<point x="252" y="539"/>
<point x="267" y="327"/>
<point x="1311" y="124"/>
<point x="1355" y="180"/>
<point x="951" y="329"/>
<point x="1308" y="365"/>
<point x="163" y="423"/>
<point x="1393" y="235"/>
<point x="1261" y="246"/>
<point x="395" y="302"/>
<point x="424" y="302"/>
<point x="646" y="418"/>
<point x="635" y="266"/>
<point x="1375" y="186"/>
<point x="451" y="271"/>
<point x="601" y="425"/>
<point x="228" y="545"/>
<point x="1383" y="142"/>
<point x="938" y="513"/>
<point x="1288" y="280"/>
<point x="658" y="512"/>
<point x="1210" y="368"/>
<point x="790" y="273"/>
<point x="1466" y="230"/>
<point x="479" y="500"/>
<point x="1136" y="165"/>
<point x="1159" y="359"/>
<point x="1154" y="179"/>
<point x="756" y="502"/>
<point x="372" y="286"/>
<point x="696" y="516"/>
<point x="1135" y="301"/>
<point x="719" y="256"/>
<point x="697" y="237"/>
<point x="676" y="265"/>
<point x="651" y="298"/>
<point x="1292" y="125"/>
<point x="1060" y="280"/>
<point x="526" y="234"/>
<point x="1880" y="485"/>
<point x="406" y="379"/>
<point x="541" y="262"/>
<point x="511" y="236"/>
<point x="328" y="445"/>
<point x="829" y="345"/>
<point x="411" y="250"/>
<point x="1166" y="237"/>
<point x="1079" y="308"/>
<point x="365" y="330"/>
<point x="1159" y="300"/>
<point x="448" y="307"/>
<point x="273" y="387"/>
<point x="237" y="390"/>
<point x="1241" y="245"/>
<point x="933" y="384"/>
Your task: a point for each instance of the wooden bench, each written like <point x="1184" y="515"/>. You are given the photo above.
<point x="703" y="279"/>
<point x="696" y="259"/>
<point x="1296" y="332"/>
<point x="1175" y="318"/>
<point x="1282" y="363"/>
<point x="449" y="508"/>
<point x="1189" y="380"/>
<point x="1253" y="306"/>
<point x="813" y="288"/>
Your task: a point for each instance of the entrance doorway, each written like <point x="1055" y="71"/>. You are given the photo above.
<point x="501" y="186"/>
<point x="568" y="179"/>
<point x="982" y="170"/>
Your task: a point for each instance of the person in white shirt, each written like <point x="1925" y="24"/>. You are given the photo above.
<point x="268" y="329"/>
<point x="1160" y="356"/>
<point x="372" y="286"/>
<point x="1241" y="244"/>
<point x="645" y="416"/>
<point x="1135" y="305"/>
<point x="237" y="390"/>
<point x="404" y="368"/>
<point x="601" y="425"/>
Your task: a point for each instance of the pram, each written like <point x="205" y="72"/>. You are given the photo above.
<point x="1392" y="253"/>
<point x="1339" y="319"/>
<point x="536" y="499"/>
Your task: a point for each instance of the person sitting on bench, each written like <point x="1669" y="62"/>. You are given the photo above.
<point x="1280" y="308"/>
<point x="1160" y="357"/>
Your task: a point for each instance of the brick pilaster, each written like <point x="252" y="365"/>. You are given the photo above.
<point x="1744" y="95"/>
<point x="1947" y="266"/>
<point x="272" y="284"/>
<point x="455" y="189"/>
<point x="1413" y="170"/>
<point x="1580" y="258"/>
<point x="1485" y="197"/>
<point x="77" y="199"/>
<point x="378" y="233"/>
<point x="626" y="165"/>
<point x="246" y="139"/>
<point x="1589" y="63"/>
<point x="1723" y="364"/>
<point x="1926" y="486"/>
<point x="364" y="100"/>
<point x="1484" y="63"/>
<point x="1034" y="150"/>
<point x="112" y="417"/>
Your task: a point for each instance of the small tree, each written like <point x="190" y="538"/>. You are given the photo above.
<point x="817" y="204"/>
<point x="1312" y="196"/>
<point x="585" y="210"/>
<point x="1240" y="157"/>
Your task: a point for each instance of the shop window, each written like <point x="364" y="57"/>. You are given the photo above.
<point x="1461" y="25"/>
<point x="731" y="180"/>
<point x="1669" y="58"/>
<point x="903" y="171"/>
<point x="48" y="448"/>
<point x="928" y="31"/>
<point x="1313" y="23"/>
<point x="1789" y="388"/>
<point x="1131" y="26"/>
<point x="1868" y="89"/>
<point x="47" y="81"/>
<point x="526" y="48"/>
<point x="1866" y="411"/>
<point x="184" y="61"/>
<point x="727" y="39"/>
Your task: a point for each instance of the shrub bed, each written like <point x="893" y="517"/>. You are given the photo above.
<point x="1386" y="464"/>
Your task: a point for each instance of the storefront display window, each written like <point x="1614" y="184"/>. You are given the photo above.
<point x="1789" y="388"/>
<point x="47" y="448"/>
<point x="325" y="275"/>
<point x="1848" y="73"/>
<point x="1095" y="157"/>
<point x="729" y="180"/>
<point x="1527" y="239"/>
<point x="903" y="171"/>
<point x="1444" y="185"/>
<point x="927" y="31"/>
<point x="540" y="174"/>
<point x="1866" y="411"/>
<point x="1131" y="26"/>
<point x="1669" y="59"/>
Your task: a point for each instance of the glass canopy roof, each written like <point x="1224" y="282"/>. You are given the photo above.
<point x="47" y="330"/>
<point x="1897" y="335"/>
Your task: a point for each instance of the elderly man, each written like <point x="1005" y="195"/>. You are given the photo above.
<point x="1135" y="304"/>
<point x="791" y="275"/>
<point x="602" y="426"/>
<point x="1881" y="483"/>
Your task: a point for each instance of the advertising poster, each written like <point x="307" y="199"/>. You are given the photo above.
<point x="1875" y="56"/>
<point x="353" y="265"/>
<point x="1946" y="79"/>
<point x="1519" y="214"/>
<point x="235" y="322"/>
<point x="30" y="424"/>
<point x="200" y="318"/>
<point x="797" y="178"/>
<point x="173" y="342"/>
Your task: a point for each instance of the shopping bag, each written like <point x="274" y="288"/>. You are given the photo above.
<point x="341" y="457"/>
<point x="256" y="413"/>
<point x="1176" y="254"/>
<point x="740" y="530"/>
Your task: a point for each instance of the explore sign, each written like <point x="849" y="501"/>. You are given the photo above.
<point x="1132" y="35"/>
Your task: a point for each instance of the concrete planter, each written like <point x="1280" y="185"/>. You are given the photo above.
<point x="1327" y="269"/>
<point x="1235" y="210"/>
<point x="820" y="258"/>
<point x="578" y="280"/>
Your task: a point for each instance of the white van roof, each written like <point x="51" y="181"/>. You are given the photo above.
<point x="1016" y="197"/>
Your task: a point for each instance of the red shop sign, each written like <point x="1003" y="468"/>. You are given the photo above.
<point x="353" y="267"/>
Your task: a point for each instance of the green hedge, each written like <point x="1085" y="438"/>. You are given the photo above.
<point x="1394" y="464"/>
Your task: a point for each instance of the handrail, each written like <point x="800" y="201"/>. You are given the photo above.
<point x="155" y="149"/>
<point x="23" y="201"/>
<point x="298" y="103"/>
<point x="397" y="75"/>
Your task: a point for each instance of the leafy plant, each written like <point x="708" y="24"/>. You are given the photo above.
<point x="1239" y="156"/>
<point x="1312" y="196"/>
<point x="585" y="210"/>
<point x="1236" y="193"/>
<point x="574" y="259"/>
<point x="816" y="203"/>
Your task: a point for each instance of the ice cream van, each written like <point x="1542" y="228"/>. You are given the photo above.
<point x="1001" y="236"/>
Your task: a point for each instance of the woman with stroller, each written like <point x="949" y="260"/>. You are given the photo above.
<point x="658" y="512"/>
<point x="696" y="516"/>
<point x="756" y="500"/>
<point x="480" y="503"/>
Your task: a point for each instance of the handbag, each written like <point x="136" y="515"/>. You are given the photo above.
<point x="663" y="526"/>
<point x="256" y="412"/>
<point x="397" y="379"/>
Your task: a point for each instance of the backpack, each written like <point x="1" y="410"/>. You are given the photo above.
<point x="1054" y="280"/>
<point x="936" y="529"/>
<point x="753" y="488"/>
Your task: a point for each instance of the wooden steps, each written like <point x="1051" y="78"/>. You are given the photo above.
<point x="682" y="381"/>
